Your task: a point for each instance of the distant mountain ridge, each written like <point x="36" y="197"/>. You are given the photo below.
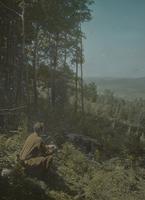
<point x="129" y="88"/>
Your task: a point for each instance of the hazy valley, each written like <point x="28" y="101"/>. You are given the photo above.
<point x="128" y="88"/>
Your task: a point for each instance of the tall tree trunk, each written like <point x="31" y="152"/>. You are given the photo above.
<point x="55" y="62"/>
<point x="22" y="73"/>
<point x="65" y="52"/>
<point x="76" y="83"/>
<point x="20" y="86"/>
<point x="49" y="70"/>
<point x="35" y="59"/>
<point x="82" y="81"/>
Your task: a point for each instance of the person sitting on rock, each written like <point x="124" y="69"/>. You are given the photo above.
<point x="35" y="154"/>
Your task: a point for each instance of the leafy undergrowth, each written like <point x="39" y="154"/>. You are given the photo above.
<point x="73" y="177"/>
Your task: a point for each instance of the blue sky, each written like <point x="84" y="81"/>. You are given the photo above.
<point x="115" y="44"/>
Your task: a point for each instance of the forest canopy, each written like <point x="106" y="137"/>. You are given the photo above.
<point x="41" y="52"/>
